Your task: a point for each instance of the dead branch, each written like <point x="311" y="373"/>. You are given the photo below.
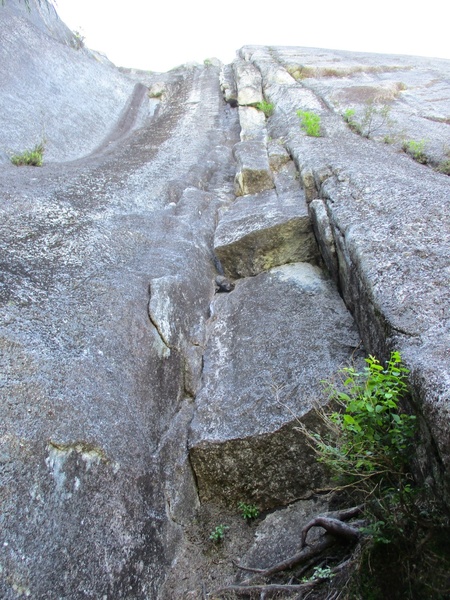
<point x="334" y="525"/>
<point x="346" y="514"/>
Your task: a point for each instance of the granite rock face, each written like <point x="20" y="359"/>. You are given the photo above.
<point x="162" y="331"/>
<point x="45" y="80"/>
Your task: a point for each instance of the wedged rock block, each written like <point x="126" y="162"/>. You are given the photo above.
<point x="260" y="232"/>
<point x="253" y="124"/>
<point x="249" y="83"/>
<point x="228" y="85"/>
<point x="272" y="341"/>
<point x="278" y="155"/>
<point x="254" y="174"/>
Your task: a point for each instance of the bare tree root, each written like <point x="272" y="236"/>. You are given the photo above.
<point x="268" y="590"/>
<point x="335" y="527"/>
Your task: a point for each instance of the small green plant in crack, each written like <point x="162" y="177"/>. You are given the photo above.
<point x="248" y="511"/>
<point x="309" y="122"/>
<point x="444" y="167"/>
<point x="266" y="107"/>
<point x="78" y="40"/>
<point x="33" y="157"/>
<point x="218" y="533"/>
<point x="349" y="118"/>
<point x="416" y="149"/>
<point x="319" y="573"/>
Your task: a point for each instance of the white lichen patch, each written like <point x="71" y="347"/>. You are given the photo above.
<point x="59" y="454"/>
<point x="55" y="463"/>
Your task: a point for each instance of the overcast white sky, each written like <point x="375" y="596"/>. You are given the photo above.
<point x="164" y="34"/>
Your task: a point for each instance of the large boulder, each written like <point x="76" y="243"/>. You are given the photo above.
<point x="271" y="343"/>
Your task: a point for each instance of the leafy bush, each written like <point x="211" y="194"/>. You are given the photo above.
<point x="266" y="107"/>
<point x="33" y="157"/>
<point x="310" y="123"/>
<point x="368" y="437"/>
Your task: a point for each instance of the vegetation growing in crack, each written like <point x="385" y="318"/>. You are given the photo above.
<point x="33" y="157"/>
<point x="444" y="167"/>
<point x="248" y="511"/>
<point x="218" y="533"/>
<point x="416" y="149"/>
<point x="78" y="40"/>
<point x="266" y="107"/>
<point x="310" y="123"/>
<point x="393" y="542"/>
<point x="374" y="118"/>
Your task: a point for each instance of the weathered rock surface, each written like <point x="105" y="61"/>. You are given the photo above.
<point x="127" y="354"/>
<point x="105" y="289"/>
<point x="243" y="442"/>
<point x="278" y="537"/>
<point x="46" y="82"/>
<point x="253" y="124"/>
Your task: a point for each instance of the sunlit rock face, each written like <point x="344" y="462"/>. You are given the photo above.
<point x="177" y="280"/>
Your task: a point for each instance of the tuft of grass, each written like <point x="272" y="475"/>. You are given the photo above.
<point x="444" y="167"/>
<point x="33" y="157"/>
<point x="416" y="149"/>
<point x="310" y="123"/>
<point x="266" y="107"/>
<point x="299" y="72"/>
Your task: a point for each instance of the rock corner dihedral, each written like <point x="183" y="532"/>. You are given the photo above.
<point x="177" y="279"/>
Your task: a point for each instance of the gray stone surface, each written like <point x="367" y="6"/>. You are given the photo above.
<point x="243" y="441"/>
<point x="248" y="83"/>
<point x="262" y="231"/>
<point x="279" y="535"/>
<point x="278" y="156"/>
<point x="253" y="171"/>
<point x="105" y="289"/>
<point x="228" y="85"/>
